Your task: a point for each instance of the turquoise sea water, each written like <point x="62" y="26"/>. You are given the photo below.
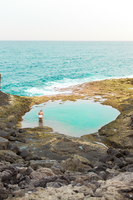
<point x="30" y="68"/>
<point x="71" y="118"/>
<point x="36" y="68"/>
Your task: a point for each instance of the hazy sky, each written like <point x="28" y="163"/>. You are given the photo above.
<point x="66" y="20"/>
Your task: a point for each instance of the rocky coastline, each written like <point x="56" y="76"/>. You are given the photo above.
<point x="36" y="163"/>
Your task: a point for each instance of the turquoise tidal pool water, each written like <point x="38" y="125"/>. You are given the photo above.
<point x="71" y="118"/>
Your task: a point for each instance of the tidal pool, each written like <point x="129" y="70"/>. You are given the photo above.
<point x="71" y="118"/>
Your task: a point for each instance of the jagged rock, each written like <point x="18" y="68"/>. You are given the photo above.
<point x="119" y="162"/>
<point x="42" y="182"/>
<point x="72" y="165"/>
<point x="9" y="156"/>
<point x="24" y="182"/>
<point x="4" y="143"/>
<point x="115" y="152"/>
<point x="42" y="163"/>
<point x="8" y="174"/>
<point x="59" y="179"/>
<point x="118" y="187"/>
<point x="57" y="169"/>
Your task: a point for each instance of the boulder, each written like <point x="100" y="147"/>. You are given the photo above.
<point x="4" y="143"/>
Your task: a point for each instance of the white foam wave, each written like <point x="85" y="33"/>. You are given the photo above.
<point x="53" y="88"/>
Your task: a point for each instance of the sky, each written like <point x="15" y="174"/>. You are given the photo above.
<point x="76" y="20"/>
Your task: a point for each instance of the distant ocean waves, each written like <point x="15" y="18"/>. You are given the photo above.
<point x="42" y="68"/>
<point x="53" y="88"/>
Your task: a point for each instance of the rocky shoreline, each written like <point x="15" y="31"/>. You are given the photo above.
<point x="36" y="163"/>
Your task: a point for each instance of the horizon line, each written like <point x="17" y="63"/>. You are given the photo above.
<point x="66" y="40"/>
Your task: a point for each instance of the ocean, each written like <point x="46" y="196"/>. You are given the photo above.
<point x="35" y="68"/>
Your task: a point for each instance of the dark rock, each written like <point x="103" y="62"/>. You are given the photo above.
<point x="119" y="162"/>
<point x="100" y="168"/>
<point x="57" y="169"/>
<point x="114" y="152"/>
<point x="13" y="133"/>
<point x="33" y="158"/>
<point x="129" y="160"/>
<point x="8" y="174"/>
<point x="11" y="156"/>
<point x="9" y="124"/>
<point x="103" y="175"/>
<point x="4" y="134"/>
<point x="42" y="182"/>
<point x="3" y="192"/>
<point x="58" y="181"/>
<point x="124" y="152"/>
<point x="4" y="143"/>
<point x="24" y="182"/>
<point x="24" y="153"/>
<point x="21" y="130"/>
<point x="63" y="179"/>
<point x="43" y="163"/>
<point x="14" y="148"/>
<point x="129" y="168"/>
<point x="106" y="158"/>
<point x="55" y="184"/>
<point x="11" y="138"/>
<point x="28" y="171"/>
